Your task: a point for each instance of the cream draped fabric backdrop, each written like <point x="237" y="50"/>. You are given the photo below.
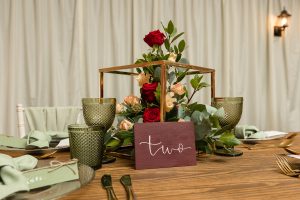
<point x="50" y="51"/>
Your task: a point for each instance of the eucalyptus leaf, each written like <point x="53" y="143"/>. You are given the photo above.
<point x="196" y="116"/>
<point x="210" y="109"/>
<point x="171" y="77"/>
<point x="113" y="144"/>
<point x="202" y="129"/>
<point x="220" y="113"/>
<point x="229" y="140"/>
<point x="199" y="107"/>
<point x="157" y="73"/>
<point x="181" y="112"/>
<point x="222" y="130"/>
<point x="187" y="118"/>
<point x="123" y="134"/>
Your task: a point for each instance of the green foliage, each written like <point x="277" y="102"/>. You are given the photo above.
<point x="157" y="92"/>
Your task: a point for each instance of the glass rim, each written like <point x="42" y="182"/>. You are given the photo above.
<point x="230" y="99"/>
<point x="95" y="100"/>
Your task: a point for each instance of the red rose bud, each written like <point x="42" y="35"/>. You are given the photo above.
<point x="151" y="115"/>
<point x="155" y="37"/>
<point x="148" y="90"/>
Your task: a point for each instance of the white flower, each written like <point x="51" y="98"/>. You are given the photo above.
<point x="120" y="108"/>
<point x="178" y="88"/>
<point x="125" y="125"/>
<point x="181" y="120"/>
<point x="170" y="101"/>
<point x="172" y="57"/>
<point x="143" y="78"/>
<point x="131" y="100"/>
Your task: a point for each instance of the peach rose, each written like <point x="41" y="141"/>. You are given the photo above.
<point x="120" y="108"/>
<point x="172" y="57"/>
<point x="131" y="100"/>
<point x="181" y="120"/>
<point x="143" y="78"/>
<point x="125" y="125"/>
<point x="178" y="88"/>
<point x="170" y="101"/>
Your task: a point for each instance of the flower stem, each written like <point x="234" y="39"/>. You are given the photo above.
<point x="189" y="99"/>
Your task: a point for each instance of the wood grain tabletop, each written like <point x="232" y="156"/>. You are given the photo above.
<point x="254" y="175"/>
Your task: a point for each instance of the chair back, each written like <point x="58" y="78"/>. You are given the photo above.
<point x="47" y="118"/>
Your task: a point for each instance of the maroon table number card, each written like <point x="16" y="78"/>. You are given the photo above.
<point x="164" y="144"/>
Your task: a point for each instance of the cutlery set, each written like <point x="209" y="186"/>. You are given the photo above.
<point x="125" y="181"/>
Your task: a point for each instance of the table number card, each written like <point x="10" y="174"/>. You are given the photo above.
<point x="164" y="144"/>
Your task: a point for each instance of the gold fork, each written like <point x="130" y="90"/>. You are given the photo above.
<point x="285" y="167"/>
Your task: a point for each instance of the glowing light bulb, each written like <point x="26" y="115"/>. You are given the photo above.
<point x="284" y="22"/>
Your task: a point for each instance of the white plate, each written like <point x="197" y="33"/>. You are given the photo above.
<point x="277" y="136"/>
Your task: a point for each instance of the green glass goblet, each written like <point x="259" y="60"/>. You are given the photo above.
<point x="100" y="113"/>
<point x="233" y="108"/>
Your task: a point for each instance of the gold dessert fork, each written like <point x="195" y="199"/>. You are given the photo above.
<point x="285" y="167"/>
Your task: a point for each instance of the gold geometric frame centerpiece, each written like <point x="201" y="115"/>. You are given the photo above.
<point x="164" y="65"/>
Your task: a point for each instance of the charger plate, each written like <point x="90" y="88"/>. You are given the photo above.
<point x="56" y="191"/>
<point x="19" y="152"/>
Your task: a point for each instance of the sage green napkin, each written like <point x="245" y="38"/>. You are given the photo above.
<point x="34" y="139"/>
<point x="245" y="131"/>
<point x="11" y="178"/>
<point x="51" y="118"/>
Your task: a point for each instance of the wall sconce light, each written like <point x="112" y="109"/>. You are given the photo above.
<point x="282" y="22"/>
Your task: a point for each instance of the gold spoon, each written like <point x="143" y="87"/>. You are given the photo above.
<point x="292" y="151"/>
<point x="287" y="141"/>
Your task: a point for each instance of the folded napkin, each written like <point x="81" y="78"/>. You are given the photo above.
<point x="11" y="178"/>
<point x="245" y="131"/>
<point x="251" y="132"/>
<point x="34" y="139"/>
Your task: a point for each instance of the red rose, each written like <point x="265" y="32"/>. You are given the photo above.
<point x="148" y="90"/>
<point x="155" y="37"/>
<point x="151" y="115"/>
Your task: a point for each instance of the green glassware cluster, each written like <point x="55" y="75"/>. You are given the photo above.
<point x="87" y="140"/>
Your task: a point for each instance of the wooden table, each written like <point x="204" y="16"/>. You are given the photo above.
<point x="254" y="175"/>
